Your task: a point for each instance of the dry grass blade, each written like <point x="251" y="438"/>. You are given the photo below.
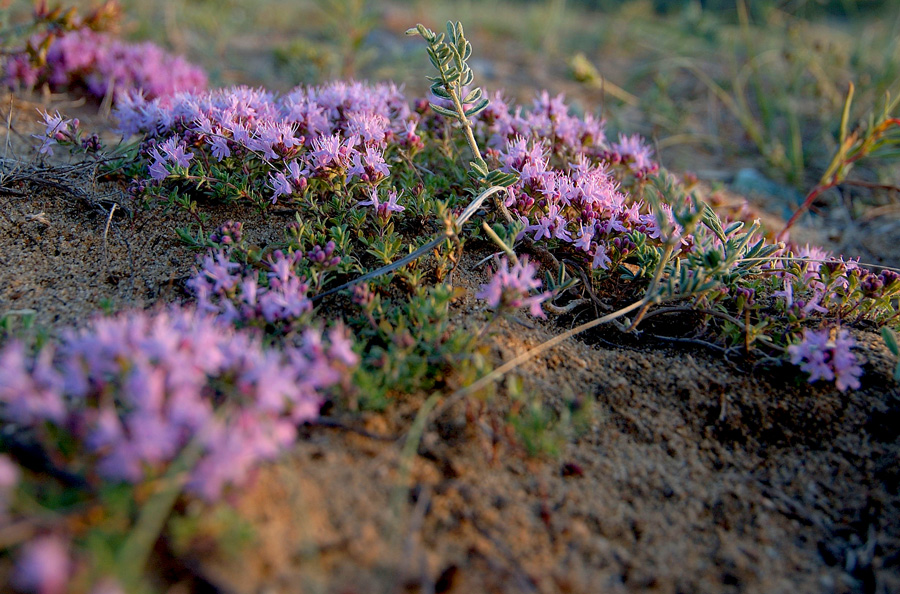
<point x="515" y="362"/>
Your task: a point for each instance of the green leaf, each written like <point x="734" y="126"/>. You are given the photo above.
<point x="444" y="111"/>
<point x="845" y="115"/>
<point x="479" y="107"/>
<point x="735" y="226"/>
<point x="439" y="91"/>
<point x="473" y="96"/>
<point x="138" y="545"/>
<point x="477" y="168"/>
<point x="711" y="220"/>
<point x="890" y="339"/>
<point x="501" y="178"/>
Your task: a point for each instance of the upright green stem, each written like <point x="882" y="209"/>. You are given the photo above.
<point x="467" y="126"/>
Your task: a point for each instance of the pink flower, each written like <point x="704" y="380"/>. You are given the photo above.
<point x="826" y="354"/>
<point x="510" y="288"/>
<point x="383" y="209"/>
<point x="56" y="128"/>
<point x="585" y="237"/>
<point x="43" y="566"/>
<point x="369" y="167"/>
<point x="280" y="186"/>
<point x="176" y="153"/>
<point x="601" y="259"/>
<point x="30" y="393"/>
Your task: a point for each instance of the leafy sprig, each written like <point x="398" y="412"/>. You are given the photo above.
<point x="449" y="55"/>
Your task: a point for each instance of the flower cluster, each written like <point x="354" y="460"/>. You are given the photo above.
<point x="136" y="390"/>
<point x="826" y="354"/>
<point x="573" y="192"/>
<point x="223" y="289"/>
<point x="101" y="65"/>
<point x="43" y="566"/>
<point x="338" y="133"/>
<point x="811" y="281"/>
<point x="510" y="288"/>
<point x="578" y="201"/>
<point x="56" y="129"/>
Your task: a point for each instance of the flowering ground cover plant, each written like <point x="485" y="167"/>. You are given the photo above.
<point x="68" y="52"/>
<point x="382" y="207"/>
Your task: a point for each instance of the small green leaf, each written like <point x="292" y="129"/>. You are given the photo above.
<point x="711" y="220"/>
<point x="444" y="111"/>
<point x="473" y="96"/>
<point x="845" y="115"/>
<point x="479" y="169"/>
<point x="478" y="108"/>
<point x="439" y="91"/>
<point x="890" y="339"/>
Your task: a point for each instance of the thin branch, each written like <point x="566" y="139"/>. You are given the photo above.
<point x="710" y="312"/>
<point x="513" y="363"/>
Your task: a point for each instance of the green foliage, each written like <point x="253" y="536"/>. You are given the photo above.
<point x="890" y="340"/>
<point x="411" y="345"/>
<point x="541" y="429"/>
<point x="450" y="60"/>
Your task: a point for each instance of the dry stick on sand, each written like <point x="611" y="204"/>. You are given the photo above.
<point x="515" y="362"/>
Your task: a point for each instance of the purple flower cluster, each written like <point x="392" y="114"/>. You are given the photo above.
<point x="579" y="203"/>
<point x="826" y="354"/>
<point x="43" y="566"/>
<point x="137" y="389"/>
<point x="811" y="281"/>
<point x="340" y="131"/>
<point x="102" y="65"/>
<point x="510" y="288"/>
<point x="46" y="565"/>
<point x="383" y="208"/>
<point x="223" y="288"/>
<point x="173" y="154"/>
<point x="56" y="129"/>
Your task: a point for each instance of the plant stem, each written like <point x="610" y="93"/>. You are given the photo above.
<point x="467" y="126"/>
<point x="500" y="242"/>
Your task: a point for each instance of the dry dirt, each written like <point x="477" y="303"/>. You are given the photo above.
<point x="694" y="474"/>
